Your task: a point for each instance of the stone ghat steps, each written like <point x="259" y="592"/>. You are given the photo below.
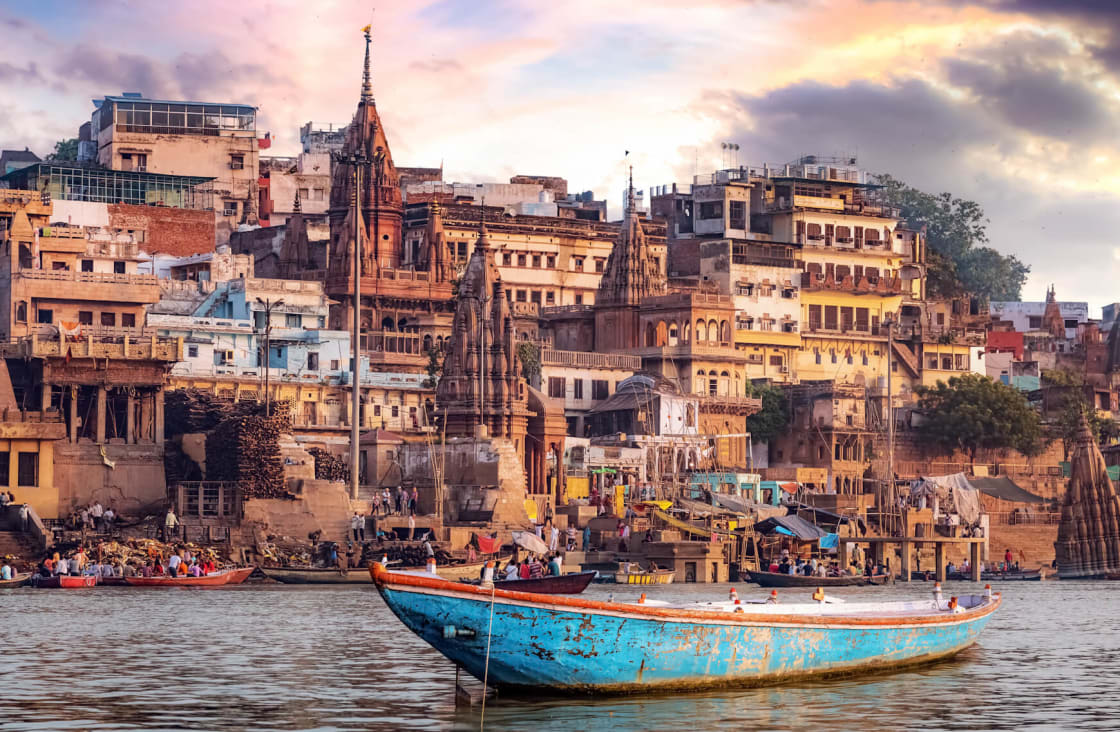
<point x="16" y="544"/>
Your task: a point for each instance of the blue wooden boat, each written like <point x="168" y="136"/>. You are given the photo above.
<point x="571" y="644"/>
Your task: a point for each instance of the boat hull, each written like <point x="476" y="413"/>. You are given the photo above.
<point x="68" y="582"/>
<point x="566" y="645"/>
<point x="316" y="576"/>
<point x="658" y="577"/>
<point x="777" y="579"/>
<point x="17" y="581"/>
<point x="566" y="584"/>
<point x="209" y="580"/>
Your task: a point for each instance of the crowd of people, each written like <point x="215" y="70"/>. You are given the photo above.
<point x="400" y="502"/>
<point x="92" y="518"/>
<point x="179" y="562"/>
<point x="531" y="567"/>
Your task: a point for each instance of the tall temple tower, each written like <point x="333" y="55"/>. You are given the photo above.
<point x="382" y="209"/>
<point x="630" y="276"/>
<point x="481" y="381"/>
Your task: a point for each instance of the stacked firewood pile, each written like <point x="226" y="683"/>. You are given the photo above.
<point x="329" y="466"/>
<point x="246" y="450"/>
<point x="192" y="410"/>
<point x="407" y="555"/>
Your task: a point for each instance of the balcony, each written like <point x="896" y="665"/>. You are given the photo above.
<point x="886" y="286"/>
<point x="102" y="286"/>
<point x="390" y="347"/>
<point x="590" y="360"/>
<point x="138" y="349"/>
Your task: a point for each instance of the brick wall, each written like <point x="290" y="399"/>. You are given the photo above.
<point x="179" y="232"/>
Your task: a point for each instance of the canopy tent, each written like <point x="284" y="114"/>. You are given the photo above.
<point x="822" y="515"/>
<point x="1006" y="489"/>
<point x="965" y="498"/>
<point x="744" y="505"/>
<point x="530" y="542"/>
<point x="792" y="526"/>
<point x="682" y="525"/>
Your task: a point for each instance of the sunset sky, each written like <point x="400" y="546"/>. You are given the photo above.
<point x="1012" y="103"/>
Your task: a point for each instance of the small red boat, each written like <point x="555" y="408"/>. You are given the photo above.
<point x="67" y="581"/>
<point x="223" y="577"/>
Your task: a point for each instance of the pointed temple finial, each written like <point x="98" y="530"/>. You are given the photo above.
<point x="482" y="240"/>
<point x="631" y="208"/>
<point x="296" y="208"/>
<point x="367" y="86"/>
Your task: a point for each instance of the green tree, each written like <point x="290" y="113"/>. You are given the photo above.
<point x="530" y="355"/>
<point x="958" y="256"/>
<point x="64" y="150"/>
<point x="434" y="367"/>
<point x="971" y="412"/>
<point x="772" y="420"/>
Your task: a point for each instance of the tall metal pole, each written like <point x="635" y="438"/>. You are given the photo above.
<point x="355" y="336"/>
<point x="267" y="352"/>
<point x="890" y="415"/>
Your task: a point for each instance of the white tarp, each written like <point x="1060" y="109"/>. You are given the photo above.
<point x="965" y="498"/>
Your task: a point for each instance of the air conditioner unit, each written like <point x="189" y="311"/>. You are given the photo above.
<point x="784" y="370"/>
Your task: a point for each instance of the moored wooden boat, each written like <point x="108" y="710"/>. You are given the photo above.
<point x="17" y="580"/>
<point x="317" y="575"/>
<point x="67" y="581"/>
<point x="564" y="584"/>
<point x="238" y="575"/>
<point x="653" y="577"/>
<point x="571" y="644"/>
<point x="216" y="579"/>
<point x="778" y="579"/>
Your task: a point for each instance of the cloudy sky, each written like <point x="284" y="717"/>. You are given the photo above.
<point x="1013" y="103"/>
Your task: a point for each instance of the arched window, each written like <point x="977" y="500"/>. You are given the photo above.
<point x="21" y="312"/>
<point x="685" y="332"/>
<point x="24" y="256"/>
<point x="427" y="342"/>
<point x="662" y="333"/>
<point x="725" y="331"/>
<point x="724" y="383"/>
<point x="651" y="335"/>
<point x="402" y="324"/>
<point x="701" y="331"/>
<point x="387" y="324"/>
<point x="713" y="331"/>
<point x="673" y="338"/>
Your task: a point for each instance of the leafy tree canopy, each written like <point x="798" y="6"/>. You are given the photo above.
<point x="971" y="412"/>
<point x="530" y="355"/>
<point x="64" y="150"/>
<point x="958" y="255"/>
<point x="772" y="420"/>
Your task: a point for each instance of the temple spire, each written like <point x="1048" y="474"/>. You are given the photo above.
<point x="631" y="209"/>
<point x="367" y="86"/>
<point x="296" y="208"/>
<point x="483" y="241"/>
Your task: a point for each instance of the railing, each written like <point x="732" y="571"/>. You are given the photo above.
<point x="384" y="341"/>
<point x="152" y="348"/>
<point x="763" y="261"/>
<point x="64" y="275"/>
<point x="564" y="309"/>
<point x="583" y="359"/>
<point x="884" y="285"/>
<point x="1014" y="518"/>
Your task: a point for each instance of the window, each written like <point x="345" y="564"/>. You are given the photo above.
<point x="551" y="262"/>
<point x="109" y="319"/>
<point x="45" y="315"/>
<point x="600" y="389"/>
<point x="223" y="358"/>
<point x="816" y="356"/>
<point x="738" y="211"/>
<point x="293" y="320"/>
<point x="316" y="194"/>
<point x="5" y="463"/>
<point x="536" y="261"/>
<point x="775" y="360"/>
<point x="229" y="208"/>
<point x="522" y="295"/>
<point x="334" y="364"/>
<point x="1034" y="321"/>
<point x="535" y="296"/>
<point x="128" y="320"/>
<point x="85" y="317"/>
<point x="845" y="319"/>
<point x="507" y="259"/>
<point x="577" y="264"/>
<point x="28" y="469"/>
<point x="830" y="317"/>
<point x="577" y="388"/>
<point x="376" y="410"/>
<point x="396" y="411"/>
<point x="711" y="210"/>
<point x="832" y="352"/>
<point x="550" y="298"/>
<point x="599" y="264"/>
<point x="520" y="260"/>
<point x="313" y="361"/>
<point x="21" y="312"/>
<point x="556" y="387"/>
<point x="960" y="362"/>
<point x="192" y="351"/>
<point x="941" y="318"/>
<point x="118" y="268"/>
<point x="237" y="162"/>
<point x="579" y="299"/>
<point x="56" y="266"/>
<point x="864" y="359"/>
<point x="814" y="317"/>
<point x="1071" y="323"/>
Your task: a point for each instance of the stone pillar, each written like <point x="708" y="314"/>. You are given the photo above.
<point x="939" y="561"/>
<point x="906" y="560"/>
<point x="130" y="420"/>
<point x="102" y="402"/>
<point x="159" y="416"/>
<point x="842" y="554"/>
<point x="974" y="559"/>
<point x="46" y="397"/>
<point x="74" y="412"/>
<point x="146" y="431"/>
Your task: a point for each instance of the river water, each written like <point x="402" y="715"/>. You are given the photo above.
<point x="273" y="657"/>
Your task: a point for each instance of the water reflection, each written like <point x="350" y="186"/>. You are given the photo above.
<point x="290" y="658"/>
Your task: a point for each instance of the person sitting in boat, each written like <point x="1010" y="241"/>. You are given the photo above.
<point x="5" y="571"/>
<point x="554" y="566"/>
<point x="783" y="565"/>
<point x="536" y="569"/>
<point x="195" y="570"/>
<point x="512" y="572"/>
<point x="523" y="570"/>
<point x="807" y="569"/>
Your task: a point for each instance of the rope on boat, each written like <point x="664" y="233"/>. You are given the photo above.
<point x="486" y="667"/>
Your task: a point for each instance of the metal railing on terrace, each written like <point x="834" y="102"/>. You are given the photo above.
<point x="589" y="360"/>
<point x="65" y="275"/>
